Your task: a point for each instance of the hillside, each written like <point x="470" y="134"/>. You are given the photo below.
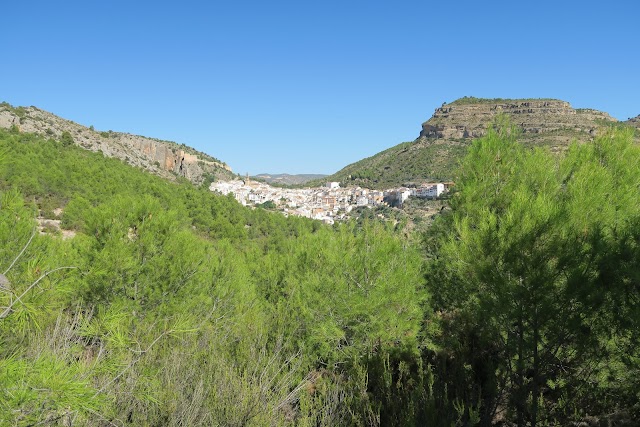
<point x="445" y="137"/>
<point x="287" y="179"/>
<point x="165" y="158"/>
<point x="635" y="122"/>
<point x="128" y="299"/>
<point x="144" y="301"/>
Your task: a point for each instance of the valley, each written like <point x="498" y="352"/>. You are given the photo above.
<point x="144" y="283"/>
<point x="329" y="203"/>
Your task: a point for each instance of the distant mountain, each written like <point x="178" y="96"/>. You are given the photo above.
<point x="164" y="158"/>
<point x="286" y="179"/>
<point x="447" y="134"/>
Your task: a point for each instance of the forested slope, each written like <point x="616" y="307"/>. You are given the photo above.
<point x="535" y="282"/>
<point x="174" y="306"/>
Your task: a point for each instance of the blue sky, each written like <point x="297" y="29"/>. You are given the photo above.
<point x="309" y="87"/>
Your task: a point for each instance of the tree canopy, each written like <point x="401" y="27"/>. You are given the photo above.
<point x="126" y="299"/>
<point x="537" y="261"/>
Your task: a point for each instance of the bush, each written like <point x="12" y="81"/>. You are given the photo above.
<point x="66" y="139"/>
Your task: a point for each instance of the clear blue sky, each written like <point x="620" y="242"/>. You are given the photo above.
<point x="309" y="87"/>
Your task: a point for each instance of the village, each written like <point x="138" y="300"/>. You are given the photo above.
<point x="329" y="203"/>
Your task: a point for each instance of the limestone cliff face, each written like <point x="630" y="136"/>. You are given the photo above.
<point x="469" y="117"/>
<point x="163" y="158"/>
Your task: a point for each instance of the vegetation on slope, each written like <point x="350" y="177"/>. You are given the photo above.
<point x="535" y="277"/>
<point x="431" y="160"/>
<point x="182" y="307"/>
<point x="288" y="180"/>
<point x="435" y="155"/>
<point x="155" y="155"/>
<point x="409" y="162"/>
<point x="174" y="306"/>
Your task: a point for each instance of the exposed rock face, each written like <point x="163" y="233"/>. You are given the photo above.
<point x="163" y="158"/>
<point x="468" y="118"/>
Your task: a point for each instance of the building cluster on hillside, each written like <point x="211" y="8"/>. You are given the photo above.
<point x="328" y="203"/>
<point x="432" y="190"/>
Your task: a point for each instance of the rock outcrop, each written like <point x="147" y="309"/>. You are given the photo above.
<point x="164" y="158"/>
<point x="469" y="117"/>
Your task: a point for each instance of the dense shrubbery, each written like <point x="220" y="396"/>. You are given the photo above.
<point x="174" y="306"/>
<point x="184" y="308"/>
<point x="535" y="281"/>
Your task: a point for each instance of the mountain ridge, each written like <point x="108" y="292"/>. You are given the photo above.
<point x="165" y="158"/>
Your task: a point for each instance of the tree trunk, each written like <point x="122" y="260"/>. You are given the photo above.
<point x="536" y="370"/>
<point x="520" y="395"/>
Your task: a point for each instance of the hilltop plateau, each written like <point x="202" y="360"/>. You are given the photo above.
<point x="165" y="158"/>
<point x="446" y="135"/>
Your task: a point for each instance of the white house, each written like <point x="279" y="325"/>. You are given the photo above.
<point x="333" y="185"/>
<point x="362" y="201"/>
<point x="431" y="191"/>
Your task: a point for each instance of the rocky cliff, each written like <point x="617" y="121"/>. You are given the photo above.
<point x="469" y="117"/>
<point x="445" y="137"/>
<point x="164" y="158"/>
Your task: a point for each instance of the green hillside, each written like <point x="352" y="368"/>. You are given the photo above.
<point x="174" y="306"/>
<point x="167" y="159"/>
<point x="287" y="179"/>
<point x="404" y="163"/>
<point x="445" y="137"/>
<point x="131" y="300"/>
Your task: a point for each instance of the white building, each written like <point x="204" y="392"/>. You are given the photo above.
<point x="333" y="185"/>
<point x="362" y="201"/>
<point x="430" y="191"/>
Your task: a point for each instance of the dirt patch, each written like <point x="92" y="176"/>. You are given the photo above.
<point x="52" y="227"/>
